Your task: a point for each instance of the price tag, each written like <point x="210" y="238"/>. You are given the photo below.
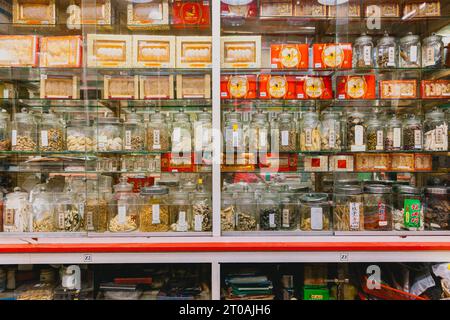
<point x="391" y="57"/>
<point x="308" y="137"/>
<point x="87" y="258"/>
<point x="413" y="53"/>
<point x="343" y="256"/>
<point x="380" y="140"/>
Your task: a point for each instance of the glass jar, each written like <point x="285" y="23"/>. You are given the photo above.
<point x="24" y="132"/>
<point x="96" y="210"/>
<point x="246" y="209"/>
<point x="180" y="211"/>
<point x="51" y="133"/>
<point x="284" y="134"/>
<point x="227" y="212"/>
<point x="109" y="134"/>
<point x="133" y="133"/>
<point x="68" y="212"/>
<point x="5" y="131"/>
<point x="387" y="52"/>
<point x="433" y="52"/>
<point x="356" y="128"/>
<point x="289" y="211"/>
<point x="157" y="133"/>
<point x="202" y="211"/>
<point x="125" y="212"/>
<point x="375" y="134"/>
<point x="269" y="212"/>
<point x="408" y="209"/>
<point x="315" y="212"/>
<point x="154" y="209"/>
<point x="310" y="132"/>
<point x="181" y="135"/>
<point x="377" y="208"/>
<point x="259" y="133"/>
<point x="348" y="210"/>
<point x="393" y="139"/>
<point x="363" y="52"/>
<point x="42" y="208"/>
<point x="80" y="135"/>
<point x="234" y="133"/>
<point x="437" y="212"/>
<point x="17" y="214"/>
<point x="410" y="51"/>
<point x="435" y="129"/>
<point x="412" y="134"/>
<point x="331" y="132"/>
<point x="203" y="133"/>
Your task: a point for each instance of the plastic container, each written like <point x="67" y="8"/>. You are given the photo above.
<point x="437" y="213"/>
<point x="133" y="133"/>
<point x="433" y="52"/>
<point x="363" y="52"/>
<point x="158" y="133"/>
<point x="315" y="212"/>
<point x="17" y="214"/>
<point x="124" y="216"/>
<point x="410" y="51"/>
<point x="24" y="132"/>
<point x="154" y="209"/>
<point x="409" y="209"/>
<point x="348" y="210"/>
<point x="51" y="133"/>
<point x="378" y="208"/>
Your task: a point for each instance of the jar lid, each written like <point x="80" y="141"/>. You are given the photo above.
<point x="412" y="119"/>
<point x="204" y="116"/>
<point x="155" y="190"/>
<point x="123" y="185"/>
<point x="233" y="116"/>
<point x="407" y="189"/>
<point x="4" y="114"/>
<point x="23" y="115"/>
<point x="410" y="38"/>
<point x="189" y="186"/>
<point x="435" y="114"/>
<point x="437" y="190"/>
<point x="285" y="116"/>
<point x="314" y="197"/>
<point x="297" y="188"/>
<point x="347" y="189"/>
<point x="394" y="121"/>
<point x="259" y="117"/>
<point x="310" y="114"/>
<point x="158" y="116"/>
<point x="364" y="38"/>
<point x="108" y="118"/>
<point x="133" y="118"/>
<point x="181" y="117"/>
<point x="330" y="115"/>
<point x="180" y="195"/>
<point x="374" y="121"/>
<point x="378" y="189"/>
<point x="386" y="40"/>
<point x="433" y="38"/>
<point x="246" y="195"/>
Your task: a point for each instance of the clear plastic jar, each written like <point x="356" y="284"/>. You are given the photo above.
<point x="157" y="133"/>
<point x="363" y="52"/>
<point x="227" y="212"/>
<point x="433" y="52"/>
<point x="68" y="212"/>
<point x="410" y="51"/>
<point x="181" y="135"/>
<point x="234" y="133"/>
<point x="408" y="209"/>
<point x="154" y="209"/>
<point x="375" y="134"/>
<point x="5" y="131"/>
<point x="437" y="212"/>
<point x="51" y="133"/>
<point x="435" y="129"/>
<point x="96" y="210"/>
<point x="43" y="211"/>
<point x="387" y="52"/>
<point x="246" y="209"/>
<point x="348" y="210"/>
<point x="17" y="213"/>
<point x="356" y="128"/>
<point x="290" y="216"/>
<point x="24" y="132"/>
<point x="202" y="211"/>
<point x="180" y="211"/>
<point x="109" y="133"/>
<point x="331" y="132"/>
<point x="412" y="134"/>
<point x="269" y="212"/>
<point x="133" y="133"/>
<point x="283" y="134"/>
<point x="393" y="139"/>
<point x="80" y="135"/>
<point x="315" y="212"/>
<point x="310" y="132"/>
<point x="377" y="208"/>
<point x="259" y="133"/>
<point x="125" y="210"/>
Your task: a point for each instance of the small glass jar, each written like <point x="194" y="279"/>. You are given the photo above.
<point x="363" y="52"/>
<point x="180" y="211"/>
<point x="234" y="133"/>
<point x="24" y="132"/>
<point x="133" y="133"/>
<point x="377" y="208"/>
<point x="269" y="212"/>
<point x="437" y="213"/>
<point x="387" y="52"/>
<point x="202" y="211"/>
<point x="435" y="129"/>
<point x="68" y="212"/>
<point x="331" y="132"/>
<point x="259" y="133"/>
<point x="408" y="209"/>
<point x="154" y="209"/>
<point x="310" y="132"/>
<point x="290" y="216"/>
<point x="157" y="133"/>
<point x="109" y="134"/>
<point x="315" y="212"/>
<point x="51" y="133"/>
<point x="96" y="210"/>
<point x="17" y="213"/>
<point x="227" y="212"/>
<point x="246" y="209"/>
<point x="375" y="135"/>
<point x="43" y="214"/>
<point x="348" y="210"/>
<point x="80" y="135"/>
<point x="125" y="212"/>
<point x="410" y="51"/>
<point x="412" y="134"/>
<point x="284" y="134"/>
<point x="181" y="135"/>
<point x="356" y="128"/>
<point x="433" y="52"/>
<point x="393" y="139"/>
<point x="5" y="131"/>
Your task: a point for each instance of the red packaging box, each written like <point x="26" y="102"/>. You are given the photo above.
<point x="277" y="87"/>
<point x="311" y="87"/>
<point x="188" y="14"/>
<point x="279" y="162"/>
<point x="332" y="55"/>
<point x="238" y="87"/>
<point x="228" y="9"/>
<point x="356" y="87"/>
<point x="435" y="89"/>
<point x="289" y="56"/>
<point x="175" y="162"/>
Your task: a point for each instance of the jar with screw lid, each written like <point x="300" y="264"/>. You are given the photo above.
<point x="42" y="210"/>
<point x="410" y="51"/>
<point x="331" y="132"/>
<point x="202" y="210"/>
<point x="181" y="134"/>
<point x="310" y="132"/>
<point x="227" y="212"/>
<point x="180" y="211"/>
<point x="437" y="213"/>
<point x="234" y="133"/>
<point x="269" y="212"/>
<point x="289" y="211"/>
<point x="259" y="133"/>
<point x="284" y="134"/>
<point x="356" y="129"/>
<point x="109" y="133"/>
<point x="246" y="211"/>
<point x="17" y="213"/>
<point x="80" y="135"/>
<point x="203" y="138"/>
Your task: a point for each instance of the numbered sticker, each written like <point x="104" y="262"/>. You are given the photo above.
<point x="343" y="256"/>
<point x="87" y="258"/>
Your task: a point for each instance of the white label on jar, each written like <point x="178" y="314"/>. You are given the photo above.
<point x="397" y="137"/>
<point x="391" y="57"/>
<point x="61" y="219"/>
<point x="127" y="139"/>
<point x="198" y="222"/>
<point x="284" y="138"/>
<point x="354" y="215"/>
<point x="272" y="220"/>
<point x="332" y="138"/>
<point x="89" y="220"/>
<point x="439" y="135"/>
<point x="102" y="141"/>
<point x="44" y="138"/>
<point x="380" y="139"/>
<point x="10" y="216"/>
<point x="429" y="58"/>
<point x="181" y="223"/>
<point x="359" y="135"/>
<point x="155" y="214"/>
<point x="122" y="214"/>
<point x="367" y="54"/>
<point x="81" y="209"/>
<point x="235" y="139"/>
<point x="308" y="137"/>
<point x="413" y="54"/>
<point x="316" y="218"/>
<point x="14" y="137"/>
<point x="262" y="138"/>
<point x="418" y="139"/>
<point x="285" y="218"/>
<point x="176" y="134"/>
<point x="156" y="139"/>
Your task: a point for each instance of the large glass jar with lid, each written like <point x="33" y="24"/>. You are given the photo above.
<point x="133" y="133"/>
<point x="331" y="132"/>
<point x="109" y="133"/>
<point x="203" y="138"/>
<point x="96" y="210"/>
<point x="125" y="210"/>
<point x="315" y="212"/>
<point x="181" y="134"/>
<point x="310" y="132"/>
<point x="356" y="131"/>
<point x="375" y="134"/>
<point x="289" y="211"/>
<point x="51" y="133"/>
<point x="410" y="51"/>
<point x="157" y="133"/>
<point x="437" y="213"/>
<point x="259" y="133"/>
<point x="24" y="132"/>
<point x="80" y="135"/>
<point x="154" y="209"/>
<point x="269" y="212"/>
<point x="42" y="210"/>
<point x="363" y="52"/>
<point x="433" y="52"/>
<point x="68" y="211"/>
<point x="227" y="211"/>
<point x="393" y="140"/>
<point x="387" y="52"/>
<point x="412" y="133"/>
<point x="234" y="133"/>
<point x="180" y="211"/>
<point x="17" y="212"/>
<point x="377" y="208"/>
<point x="435" y="130"/>
<point x="284" y="133"/>
<point x="246" y="211"/>
<point x="408" y="208"/>
<point x="5" y="131"/>
<point x="202" y="209"/>
<point x="348" y="208"/>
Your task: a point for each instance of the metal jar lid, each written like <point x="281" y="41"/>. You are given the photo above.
<point x="348" y="189"/>
<point x="410" y="38"/>
<point x="386" y="40"/>
<point x="378" y="189"/>
<point x="154" y="190"/>
<point x="437" y="190"/>
<point x="314" y="197"/>
<point x="399" y="188"/>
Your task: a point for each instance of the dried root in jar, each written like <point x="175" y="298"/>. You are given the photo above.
<point x="149" y="224"/>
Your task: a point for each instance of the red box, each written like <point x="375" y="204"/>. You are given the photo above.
<point x="174" y="162"/>
<point x="238" y="87"/>
<point x="356" y="87"/>
<point x="279" y="162"/>
<point x="332" y="55"/>
<point x="435" y="89"/>
<point x="312" y="87"/>
<point x="289" y="56"/>
<point x="238" y="11"/>
<point x="187" y="14"/>
<point x="277" y="87"/>
<point x="139" y="182"/>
